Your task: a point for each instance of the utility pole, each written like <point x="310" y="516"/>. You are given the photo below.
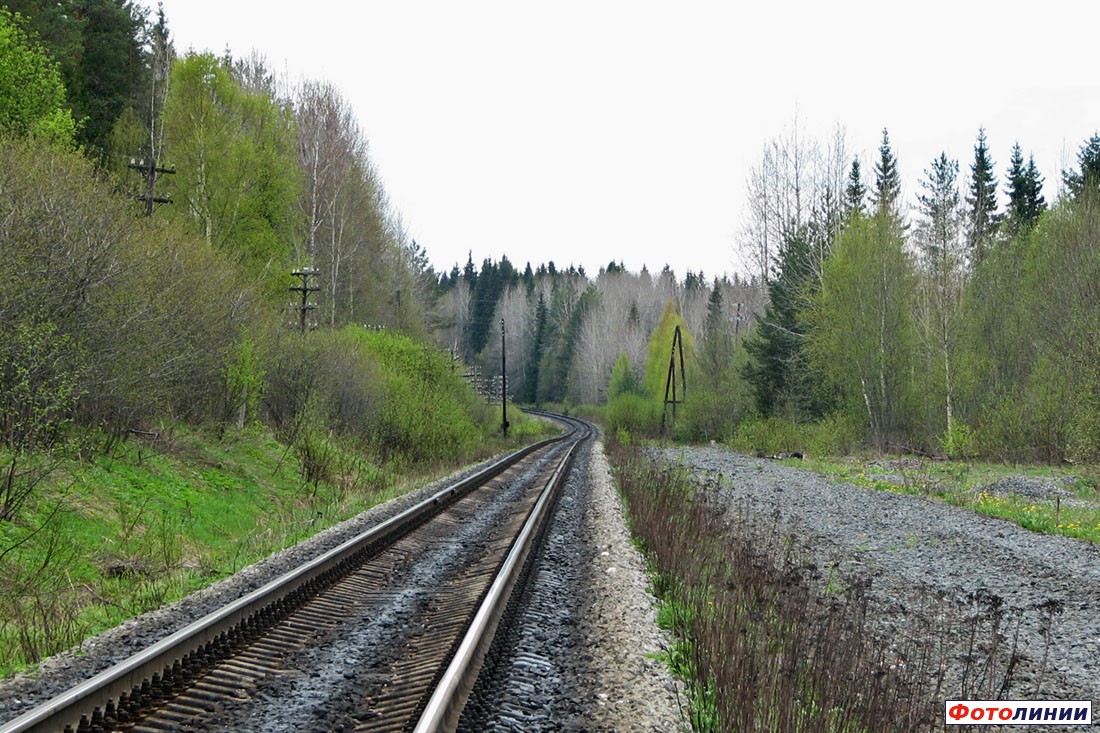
<point x="503" y="383"/>
<point x="305" y="289"/>
<point x="149" y="170"/>
<point x="670" y="383"/>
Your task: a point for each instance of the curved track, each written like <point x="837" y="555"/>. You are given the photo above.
<point x="194" y="676"/>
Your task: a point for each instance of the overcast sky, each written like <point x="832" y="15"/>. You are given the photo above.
<point x="589" y="131"/>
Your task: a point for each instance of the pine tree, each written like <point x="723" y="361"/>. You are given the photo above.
<point x="981" y="217"/>
<point x="939" y="229"/>
<point x="855" y="192"/>
<point x="887" y="196"/>
<point x="1088" y="159"/>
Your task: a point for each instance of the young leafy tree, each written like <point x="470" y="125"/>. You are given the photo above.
<point x="237" y="174"/>
<point x="32" y="95"/>
<point x="861" y="325"/>
<point x="660" y="350"/>
<point x="981" y="201"/>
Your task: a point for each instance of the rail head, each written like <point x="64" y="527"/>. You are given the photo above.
<point x="444" y="707"/>
<point x="68" y="707"/>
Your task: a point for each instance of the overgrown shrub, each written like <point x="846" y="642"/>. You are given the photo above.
<point x="635" y="413"/>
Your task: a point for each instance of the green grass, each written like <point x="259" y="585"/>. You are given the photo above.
<point x="961" y="484"/>
<point x="104" y="540"/>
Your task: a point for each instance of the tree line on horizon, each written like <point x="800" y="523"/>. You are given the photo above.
<point x="960" y="325"/>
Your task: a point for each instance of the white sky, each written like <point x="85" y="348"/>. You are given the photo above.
<point x="585" y="131"/>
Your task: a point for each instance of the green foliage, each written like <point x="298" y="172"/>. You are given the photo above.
<point x="834" y="435"/>
<point x="1025" y="198"/>
<point x="236" y="179"/>
<point x="623" y="379"/>
<point x="32" y="95"/>
<point x="981" y="201"/>
<point x="637" y="414"/>
<point x="244" y="382"/>
<point x="959" y="441"/>
<point x="123" y="293"/>
<point x="862" y="325"/>
<point x="660" y="352"/>
<point x="427" y="414"/>
<point x="1087" y="175"/>
<point x="39" y="385"/>
<point x="778" y="371"/>
<point x="721" y="398"/>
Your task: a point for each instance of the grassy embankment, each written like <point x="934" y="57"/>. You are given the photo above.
<point x="107" y="528"/>
<point x="156" y="519"/>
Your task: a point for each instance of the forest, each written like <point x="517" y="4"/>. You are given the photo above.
<point x="964" y="324"/>
<point x="955" y="327"/>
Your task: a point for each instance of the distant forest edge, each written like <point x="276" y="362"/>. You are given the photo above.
<point x="967" y="324"/>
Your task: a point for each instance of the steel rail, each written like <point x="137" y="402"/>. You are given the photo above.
<point x="444" y="708"/>
<point x="68" y="708"/>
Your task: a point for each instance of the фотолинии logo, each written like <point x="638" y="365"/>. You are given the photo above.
<point x="1017" y="712"/>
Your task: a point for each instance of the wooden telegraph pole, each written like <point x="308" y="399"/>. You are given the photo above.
<point x="305" y="289"/>
<point x="670" y="382"/>
<point x="149" y="169"/>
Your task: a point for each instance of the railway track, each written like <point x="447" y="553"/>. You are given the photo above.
<point x="402" y="615"/>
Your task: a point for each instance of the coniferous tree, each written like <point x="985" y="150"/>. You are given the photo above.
<point x="777" y="370"/>
<point x="938" y="314"/>
<point x="887" y="196"/>
<point x="531" y="381"/>
<point x="940" y="208"/>
<point x="981" y="201"/>
<point x="1025" y="191"/>
<point x="855" y="192"/>
<point x="1088" y="175"/>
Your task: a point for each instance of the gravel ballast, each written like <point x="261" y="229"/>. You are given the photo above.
<point x="602" y="641"/>
<point x="930" y="568"/>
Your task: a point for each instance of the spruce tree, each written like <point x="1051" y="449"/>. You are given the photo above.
<point x="887" y="197"/>
<point x="777" y="370"/>
<point x="855" y="192"/>
<point x="981" y="202"/>
<point x="1025" y="191"/>
<point x="1088" y="176"/>
<point x="531" y="378"/>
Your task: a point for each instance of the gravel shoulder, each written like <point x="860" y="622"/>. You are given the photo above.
<point x="1022" y="607"/>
